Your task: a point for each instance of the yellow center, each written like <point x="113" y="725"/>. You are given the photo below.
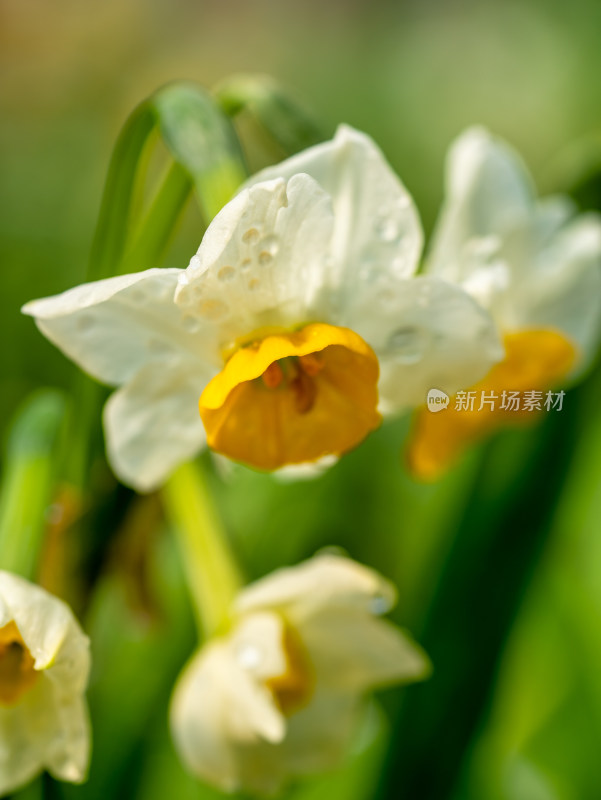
<point x="535" y="360"/>
<point x="294" y="688"/>
<point x="17" y="670"/>
<point x="289" y="398"/>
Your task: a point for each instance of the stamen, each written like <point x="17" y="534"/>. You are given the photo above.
<point x="17" y="672"/>
<point x="311" y="364"/>
<point x="305" y="392"/>
<point x="294" y="688"/>
<point x="273" y="375"/>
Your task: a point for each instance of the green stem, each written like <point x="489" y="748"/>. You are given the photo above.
<point x="213" y="575"/>
<point x="496" y="550"/>
<point x="28" y="482"/>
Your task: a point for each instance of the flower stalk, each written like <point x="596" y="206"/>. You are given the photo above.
<point x="213" y="575"/>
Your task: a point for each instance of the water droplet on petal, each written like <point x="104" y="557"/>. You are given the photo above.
<point x="250" y="236"/>
<point x="183" y="280"/>
<point x="369" y="271"/>
<point x="387" y="229"/>
<point x="398" y="265"/>
<point x="245" y="263"/>
<point x="424" y="296"/>
<point x="194" y="264"/>
<point x="191" y="324"/>
<point x="137" y="295"/>
<point x="84" y="322"/>
<point x="213" y="308"/>
<point x="159" y="347"/>
<point x="254" y="284"/>
<point x="226" y="273"/>
<point x="249" y="656"/>
<point x="407" y="345"/>
<point x="265" y="258"/>
<point x="387" y="296"/>
<point x="379" y="604"/>
<point x="270" y="244"/>
<point x="189" y="295"/>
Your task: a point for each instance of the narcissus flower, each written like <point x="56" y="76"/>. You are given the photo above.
<point x="280" y="693"/>
<point x="297" y="323"/>
<point x="44" y="665"/>
<point x="535" y="265"/>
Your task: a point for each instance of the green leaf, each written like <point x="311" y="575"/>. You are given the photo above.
<point x="272" y="108"/>
<point x="157" y="227"/>
<point x="29" y="480"/>
<point x="207" y="155"/>
<point x="200" y="137"/>
<point x="114" y="218"/>
<point x="495" y="551"/>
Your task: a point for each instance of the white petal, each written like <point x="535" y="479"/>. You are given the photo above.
<point x="44" y="731"/>
<point x="427" y="334"/>
<point x="325" y="580"/>
<point x="262" y="259"/>
<point x="217" y="709"/>
<point x="565" y="293"/>
<point x="307" y="471"/>
<point x="48" y="628"/>
<point x="376" y="221"/>
<point x="48" y="728"/>
<point x="488" y="190"/>
<point x="257" y="645"/>
<point x="111" y="328"/>
<point x="528" y="254"/>
<point x="354" y="651"/>
<point x="152" y="424"/>
<point x="317" y="738"/>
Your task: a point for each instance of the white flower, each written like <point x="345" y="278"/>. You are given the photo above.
<point x="301" y="294"/>
<point x="280" y="694"/>
<point x="44" y="665"/>
<point x="535" y="265"/>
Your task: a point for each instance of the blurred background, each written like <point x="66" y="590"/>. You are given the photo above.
<point x="413" y="75"/>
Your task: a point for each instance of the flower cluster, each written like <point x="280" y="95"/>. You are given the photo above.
<point x="301" y="322"/>
<point x="302" y="319"/>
